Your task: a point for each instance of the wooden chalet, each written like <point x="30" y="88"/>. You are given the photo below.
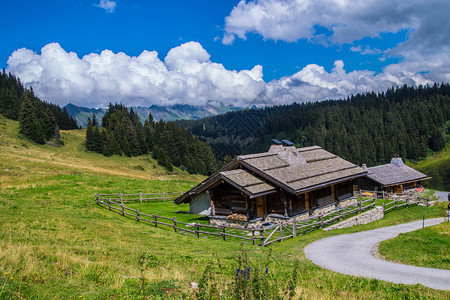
<point x="395" y="177"/>
<point x="281" y="184"/>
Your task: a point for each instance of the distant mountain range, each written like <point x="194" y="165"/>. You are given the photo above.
<point x="167" y="113"/>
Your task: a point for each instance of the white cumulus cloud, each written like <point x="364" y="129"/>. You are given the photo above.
<point x="107" y="5"/>
<point x="426" y="50"/>
<point x="186" y="76"/>
<point x="314" y="83"/>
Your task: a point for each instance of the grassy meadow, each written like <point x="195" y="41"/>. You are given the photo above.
<point x="427" y="247"/>
<point x="56" y="243"/>
<point x="437" y="166"/>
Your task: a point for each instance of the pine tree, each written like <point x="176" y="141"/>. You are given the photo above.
<point x="30" y="125"/>
<point x="89" y="143"/>
<point x="437" y="141"/>
<point x="57" y="136"/>
<point x="97" y="141"/>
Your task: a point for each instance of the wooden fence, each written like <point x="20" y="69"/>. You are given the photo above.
<point x="280" y="232"/>
<point x="387" y="195"/>
<point x="196" y="229"/>
<point x="140" y="197"/>
<point x="409" y="198"/>
<point x="264" y="235"/>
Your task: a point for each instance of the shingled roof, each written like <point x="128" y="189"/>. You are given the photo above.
<point x="394" y="173"/>
<point x="314" y="168"/>
<point x="295" y="170"/>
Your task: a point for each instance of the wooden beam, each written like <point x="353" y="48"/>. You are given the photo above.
<point x="307" y="206"/>
<point x="246" y="208"/>
<point x="283" y="194"/>
<point x="333" y="192"/>
<point x="211" y="197"/>
<point x="290" y="205"/>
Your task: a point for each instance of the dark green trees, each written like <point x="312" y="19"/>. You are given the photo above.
<point x="365" y="128"/>
<point x="124" y="134"/>
<point x="437" y="140"/>
<point x="39" y="120"/>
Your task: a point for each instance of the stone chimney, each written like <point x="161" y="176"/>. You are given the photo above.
<point x="397" y="161"/>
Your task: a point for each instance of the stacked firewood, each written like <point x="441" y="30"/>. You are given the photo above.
<point x="237" y="217"/>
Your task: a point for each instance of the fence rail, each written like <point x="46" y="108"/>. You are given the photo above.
<point x="141" y="197"/>
<point x="263" y="236"/>
<point x="196" y="229"/>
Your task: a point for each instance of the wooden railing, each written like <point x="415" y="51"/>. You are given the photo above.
<point x="263" y="236"/>
<point x="140" y="197"/>
<point x="280" y="232"/>
<point x="196" y="229"/>
<point x="385" y="195"/>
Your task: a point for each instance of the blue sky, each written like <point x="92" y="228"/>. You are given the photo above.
<point x="230" y="52"/>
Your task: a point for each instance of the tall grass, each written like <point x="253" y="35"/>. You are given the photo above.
<point x="55" y="242"/>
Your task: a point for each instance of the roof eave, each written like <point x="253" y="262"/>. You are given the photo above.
<point x="407" y="181"/>
<point x="206" y="183"/>
<point x="323" y="184"/>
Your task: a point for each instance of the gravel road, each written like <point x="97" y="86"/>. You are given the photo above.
<point x="352" y="254"/>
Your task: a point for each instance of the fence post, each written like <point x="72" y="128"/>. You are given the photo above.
<point x="140" y="197"/>
<point x="123" y="209"/>
<point x="121" y="199"/>
<point x="383" y="207"/>
<point x="164" y="197"/>
<point x="96" y="197"/>
<point x="253" y="235"/>
<point x="156" y="220"/>
<point x="320" y="221"/>
<point x="428" y="199"/>
<point x="223" y="232"/>
<point x="262" y="237"/>
<point x="198" y="233"/>
<point x="294" y="228"/>
<point x="407" y="202"/>
<point x="137" y="215"/>
<point x="281" y="231"/>
<point x="109" y="203"/>
<point x="395" y="203"/>
<point x="175" y="223"/>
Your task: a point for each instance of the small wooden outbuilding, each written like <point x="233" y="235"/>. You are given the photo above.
<point x="284" y="183"/>
<point x="395" y="177"/>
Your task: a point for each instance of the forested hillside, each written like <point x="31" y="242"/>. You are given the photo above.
<point x="365" y="128"/>
<point x="39" y="121"/>
<point x="122" y="133"/>
<point x="232" y="133"/>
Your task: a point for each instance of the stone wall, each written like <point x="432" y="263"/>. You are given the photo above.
<point x="347" y="202"/>
<point x="223" y="221"/>
<point x="369" y="216"/>
<point x="323" y="210"/>
<point x="278" y="219"/>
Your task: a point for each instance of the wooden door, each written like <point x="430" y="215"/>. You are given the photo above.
<point x="261" y="207"/>
<point x="399" y="189"/>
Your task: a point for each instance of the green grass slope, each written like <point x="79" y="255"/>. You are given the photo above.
<point x="427" y="247"/>
<point x="437" y="166"/>
<point x="56" y="243"/>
